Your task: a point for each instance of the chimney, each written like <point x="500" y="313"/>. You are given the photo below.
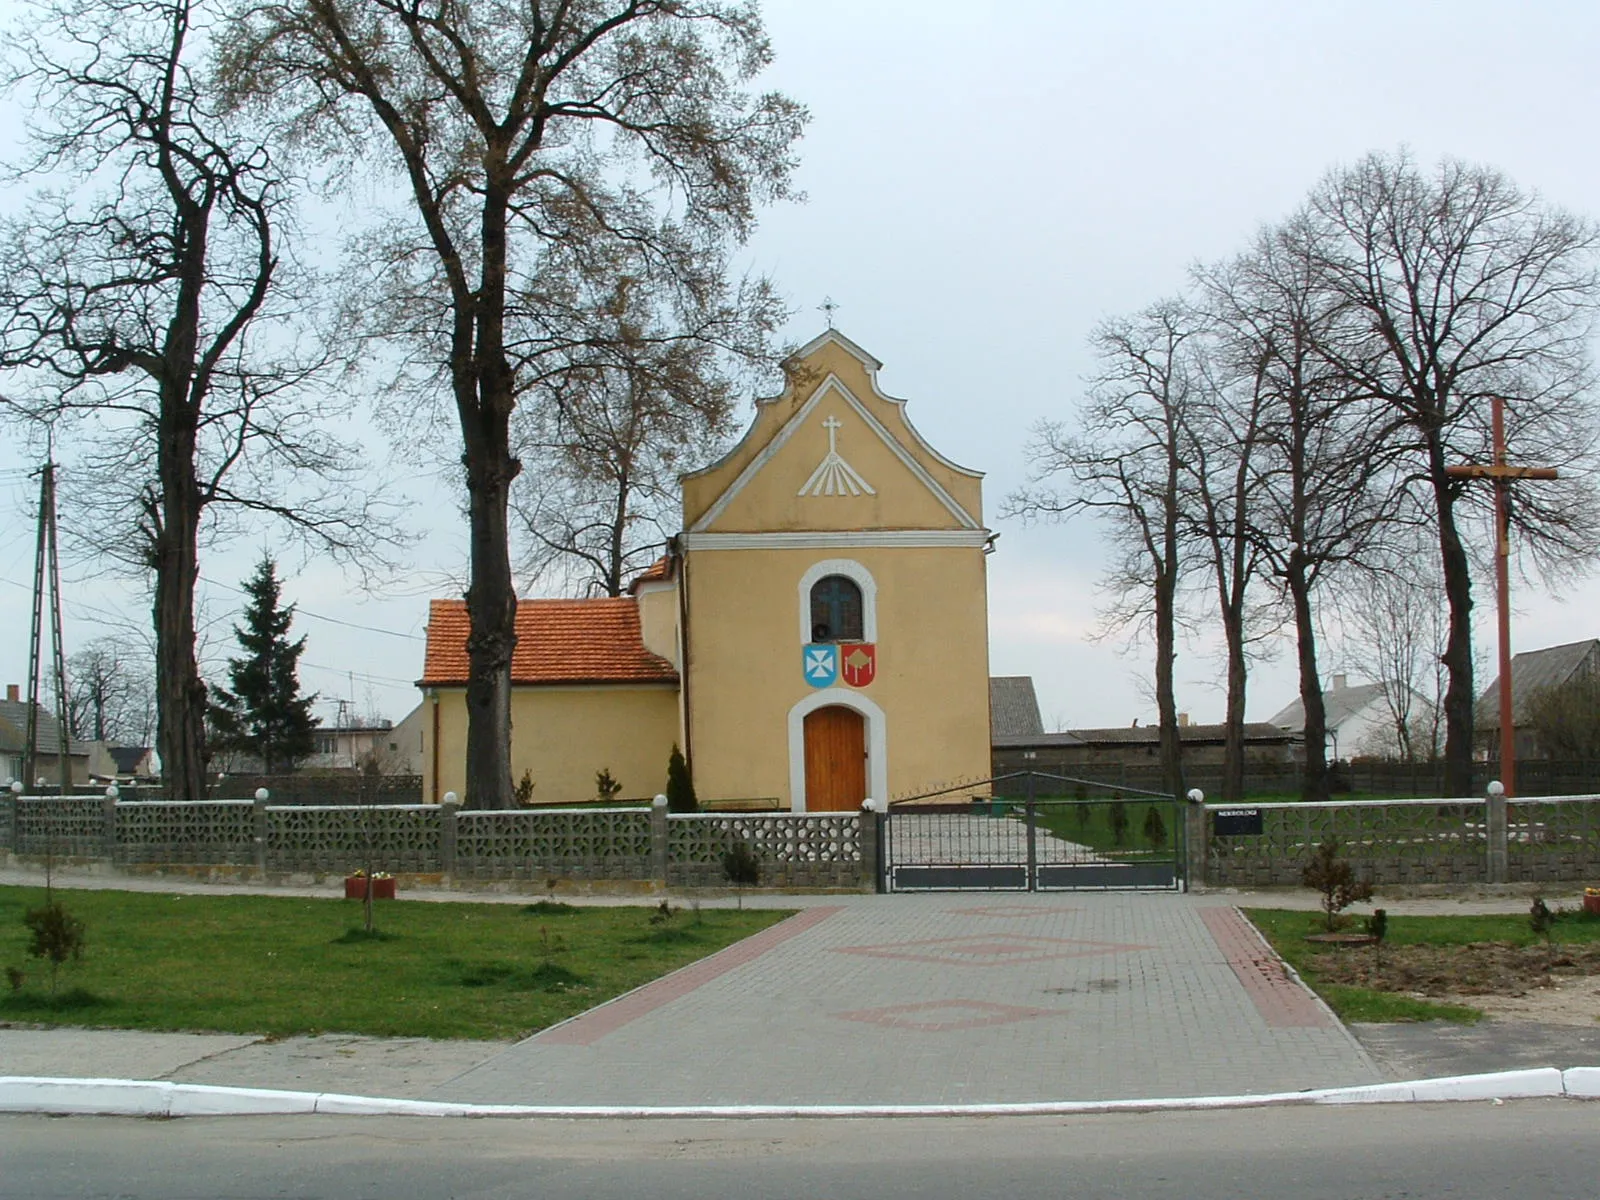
<point x="1339" y="682"/>
<point x="1183" y="720"/>
<point x="12" y="692"/>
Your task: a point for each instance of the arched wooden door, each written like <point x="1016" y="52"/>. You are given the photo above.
<point x="836" y="759"/>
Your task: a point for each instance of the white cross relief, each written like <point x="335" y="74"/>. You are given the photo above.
<point x="834" y="476"/>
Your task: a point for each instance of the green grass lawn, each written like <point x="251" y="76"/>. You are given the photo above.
<point x="1286" y="930"/>
<point x="284" y="965"/>
<point x="1090" y="825"/>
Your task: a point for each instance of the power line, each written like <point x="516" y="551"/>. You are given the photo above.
<point x="415" y="637"/>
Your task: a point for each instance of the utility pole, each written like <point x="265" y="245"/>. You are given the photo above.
<point x="47" y="574"/>
<point x="1500" y="474"/>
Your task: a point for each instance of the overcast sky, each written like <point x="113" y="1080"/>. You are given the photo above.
<point x="985" y="183"/>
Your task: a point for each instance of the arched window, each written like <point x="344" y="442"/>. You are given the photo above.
<point x="836" y="610"/>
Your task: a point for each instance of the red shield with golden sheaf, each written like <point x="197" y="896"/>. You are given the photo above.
<point x="858" y="663"/>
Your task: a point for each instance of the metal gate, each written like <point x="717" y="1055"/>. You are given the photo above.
<point x="1032" y="832"/>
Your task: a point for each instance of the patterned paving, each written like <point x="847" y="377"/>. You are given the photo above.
<point x="941" y="998"/>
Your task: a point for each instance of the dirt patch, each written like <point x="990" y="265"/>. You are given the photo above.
<point x="1517" y="983"/>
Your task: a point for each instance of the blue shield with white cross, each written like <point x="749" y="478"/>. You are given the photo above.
<point x="820" y="664"/>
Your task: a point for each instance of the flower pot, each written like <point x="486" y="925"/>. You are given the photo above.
<point x="1591" y="904"/>
<point x="355" y="888"/>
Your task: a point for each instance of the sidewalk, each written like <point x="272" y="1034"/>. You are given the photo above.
<point x="944" y="998"/>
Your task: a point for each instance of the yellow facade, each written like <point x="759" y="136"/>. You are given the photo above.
<point x="831" y="479"/>
<point x="562" y="736"/>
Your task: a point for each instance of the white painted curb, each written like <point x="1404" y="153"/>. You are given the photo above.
<point x="134" y="1098"/>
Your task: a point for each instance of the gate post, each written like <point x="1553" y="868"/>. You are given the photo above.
<point x="1496" y="830"/>
<point x="871" y="845"/>
<point x="1194" y="840"/>
<point x="1033" y="845"/>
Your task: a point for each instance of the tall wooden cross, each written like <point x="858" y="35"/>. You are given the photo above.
<point x="1500" y="473"/>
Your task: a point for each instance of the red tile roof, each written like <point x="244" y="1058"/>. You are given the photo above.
<point x="656" y="572"/>
<point x="558" y="641"/>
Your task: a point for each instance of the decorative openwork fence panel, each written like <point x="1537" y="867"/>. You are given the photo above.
<point x="794" y="849"/>
<point x="1387" y="842"/>
<point x="554" y="843"/>
<point x="321" y="838"/>
<point x="216" y="832"/>
<point x="66" y="826"/>
<point x="1554" y="839"/>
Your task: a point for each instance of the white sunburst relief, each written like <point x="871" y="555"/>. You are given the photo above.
<point x="834" y="476"/>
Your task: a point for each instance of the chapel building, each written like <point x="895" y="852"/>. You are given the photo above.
<point x="816" y="635"/>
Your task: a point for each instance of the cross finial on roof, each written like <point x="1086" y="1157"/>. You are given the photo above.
<point x="828" y="307"/>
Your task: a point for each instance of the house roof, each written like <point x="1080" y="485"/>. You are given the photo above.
<point x="558" y="641"/>
<point x="1254" y="731"/>
<point x="14" y="730"/>
<point x="1533" y="671"/>
<point x="1013" y="707"/>
<point x="128" y="759"/>
<point x="657" y="572"/>
<point x="1339" y="704"/>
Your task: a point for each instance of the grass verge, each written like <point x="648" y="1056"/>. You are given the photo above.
<point x="286" y="965"/>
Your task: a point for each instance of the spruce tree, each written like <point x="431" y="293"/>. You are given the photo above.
<point x="265" y="715"/>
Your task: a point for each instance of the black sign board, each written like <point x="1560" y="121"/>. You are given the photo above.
<point x="1235" y="822"/>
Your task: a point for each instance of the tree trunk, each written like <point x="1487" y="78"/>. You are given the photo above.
<point x="181" y="710"/>
<point x="1314" y="780"/>
<point x="1233" y="733"/>
<point x="485" y="397"/>
<point x="1458" y="697"/>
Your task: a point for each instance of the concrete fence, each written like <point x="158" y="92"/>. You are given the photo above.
<point x="1541" y="839"/>
<point x="256" y="838"/>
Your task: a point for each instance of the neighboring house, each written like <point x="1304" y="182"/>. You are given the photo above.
<point x="1531" y="671"/>
<point x="14" y="738"/>
<point x="1106" y="753"/>
<point x="817" y="634"/>
<point x="1013" y="707"/>
<point x="347" y="747"/>
<point x="1360" y="722"/>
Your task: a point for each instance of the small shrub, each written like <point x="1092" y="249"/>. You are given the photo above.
<point x="605" y="786"/>
<point x="16" y="978"/>
<point x="524" y="792"/>
<point x="742" y="867"/>
<point x="1378" y="929"/>
<point x="1543" y="923"/>
<point x="1155" y="828"/>
<point x="1117" y="818"/>
<point x="58" y="936"/>
<point x="680" y="787"/>
<point x="1335" y="878"/>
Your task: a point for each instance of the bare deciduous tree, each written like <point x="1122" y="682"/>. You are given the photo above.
<point x="134" y="297"/>
<point x="1393" y="620"/>
<point x="605" y="441"/>
<point x="1468" y="288"/>
<point x="111" y="693"/>
<point x="534" y="139"/>
<point x="1128" y="467"/>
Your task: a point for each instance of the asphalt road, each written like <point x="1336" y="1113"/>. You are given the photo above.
<point x="1531" y="1150"/>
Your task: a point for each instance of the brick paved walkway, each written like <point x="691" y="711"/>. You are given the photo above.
<point x="969" y="998"/>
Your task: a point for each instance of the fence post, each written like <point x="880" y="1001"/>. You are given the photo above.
<point x="1497" y="867"/>
<point x="258" y="816"/>
<point x="448" y="832"/>
<point x="1194" y="839"/>
<point x="108" y="810"/>
<point x="658" y="839"/>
